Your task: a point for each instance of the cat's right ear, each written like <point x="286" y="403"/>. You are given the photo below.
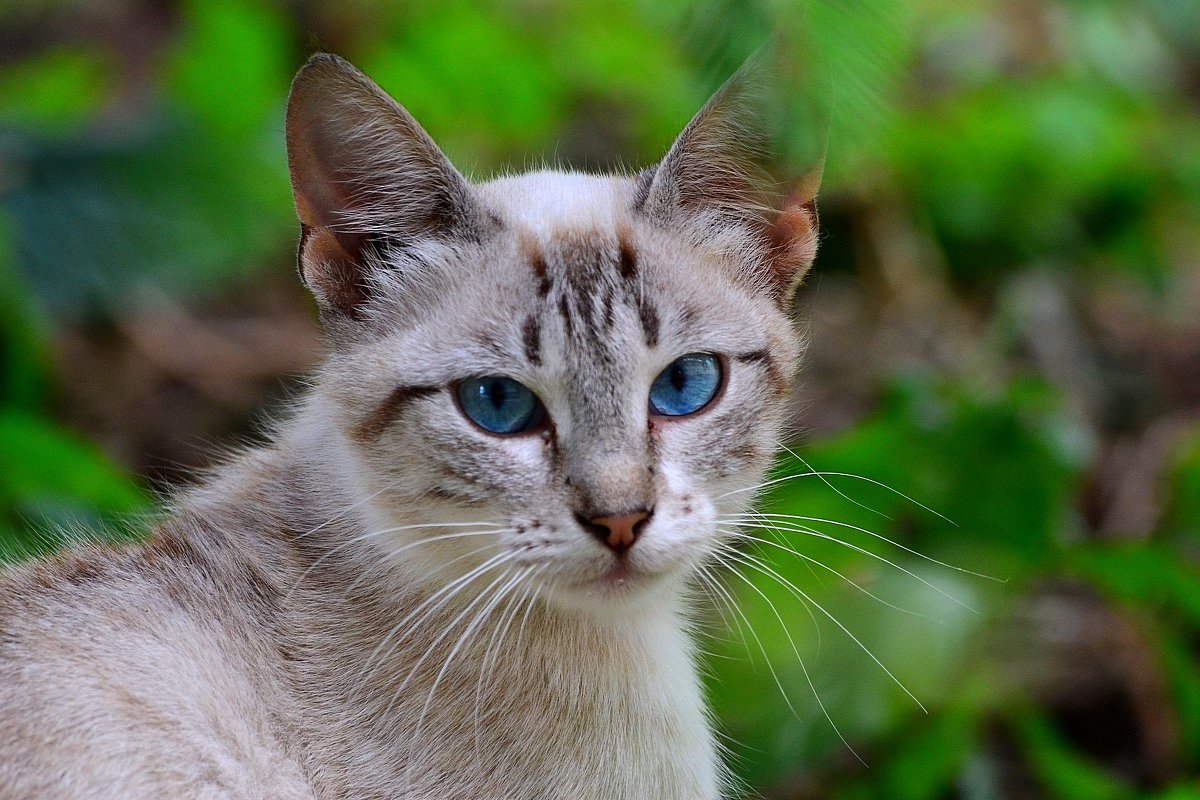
<point x="715" y="180"/>
<point x="368" y="182"/>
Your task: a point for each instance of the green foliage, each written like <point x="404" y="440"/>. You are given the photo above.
<point x="52" y="483"/>
<point x="22" y="354"/>
<point x="1061" y="771"/>
<point x="1141" y="574"/>
<point x="581" y="55"/>
<point x="56" y="485"/>
<point x="998" y="462"/>
<point x="1178" y="655"/>
<point x="468" y="109"/>
<point x="100" y="228"/>
<point x="232" y="66"/>
<point x="55" y="91"/>
<point x="1073" y="151"/>
<point x="851" y="511"/>
<point x="1182" y="518"/>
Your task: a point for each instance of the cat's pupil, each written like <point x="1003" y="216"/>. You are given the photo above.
<point x="497" y="394"/>
<point x="679" y="378"/>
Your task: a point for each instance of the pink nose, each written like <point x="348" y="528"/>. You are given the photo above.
<point x="619" y="531"/>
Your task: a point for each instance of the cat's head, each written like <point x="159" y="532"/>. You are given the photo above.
<point x="572" y="378"/>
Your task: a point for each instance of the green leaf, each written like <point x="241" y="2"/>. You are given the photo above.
<point x="856" y="514"/>
<point x="1183" y="675"/>
<point x="1182" y="517"/>
<point x="52" y="485"/>
<point x="233" y="65"/>
<point x="55" y="91"/>
<point x="1064" y="773"/>
<point x="434" y="67"/>
<point x="1143" y="573"/>
<point x="102" y="225"/>
<point x="1181" y="791"/>
<point x="923" y="764"/>
<point x="23" y="360"/>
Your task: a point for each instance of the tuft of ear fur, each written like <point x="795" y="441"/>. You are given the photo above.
<point x="713" y="182"/>
<point x="368" y="182"/>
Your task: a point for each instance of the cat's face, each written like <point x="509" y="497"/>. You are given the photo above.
<point x="569" y="378"/>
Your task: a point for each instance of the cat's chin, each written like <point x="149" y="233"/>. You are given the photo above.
<point x="621" y="586"/>
<point x="619" y="579"/>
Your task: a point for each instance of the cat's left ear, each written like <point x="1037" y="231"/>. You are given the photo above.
<point x="714" y="182"/>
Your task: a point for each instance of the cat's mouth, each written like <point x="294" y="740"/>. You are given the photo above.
<point x="621" y="577"/>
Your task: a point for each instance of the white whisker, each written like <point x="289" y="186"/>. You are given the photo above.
<point x="828" y="483"/>
<point x="433" y="604"/>
<point x="396" y="693"/>
<point x="873" y="534"/>
<point x="387" y="557"/>
<point x="810" y="560"/>
<point x="482" y="615"/>
<point x="342" y="514"/>
<point x="796" y="652"/>
<point x="757" y="564"/>
<point x="794" y="528"/>
<point x="704" y="578"/>
<point x="495" y="643"/>
<point x="762" y="649"/>
<point x="827" y="474"/>
<point x="537" y="592"/>
<point x="370" y="535"/>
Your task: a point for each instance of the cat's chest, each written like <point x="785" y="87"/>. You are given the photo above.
<point x="544" y="719"/>
<point x="638" y="736"/>
<point x="630" y="740"/>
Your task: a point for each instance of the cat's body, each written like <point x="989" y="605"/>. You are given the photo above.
<point x="395" y="599"/>
<point x="192" y="664"/>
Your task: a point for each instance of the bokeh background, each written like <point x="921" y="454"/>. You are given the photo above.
<point x="997" y="592"/>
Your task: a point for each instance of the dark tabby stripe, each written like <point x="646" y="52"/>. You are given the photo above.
<point x="385" y="414"/>
<point x="626" y="259"/>
<point x="537" y="260"/>
<point x="755" y="356"/>
<point x="541" y="273"/>
<point x="775" y="377"/>
<point x="564" y="311"/>
<point x="531" y="336"/>
<point x="650" y="323"/>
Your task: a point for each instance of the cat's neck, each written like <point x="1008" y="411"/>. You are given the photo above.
<point x="581" y="712"/>
<point x="586" y="709"/>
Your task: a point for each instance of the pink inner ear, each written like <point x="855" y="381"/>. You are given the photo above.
<point x="317" y="201"/>
<point x="333" y="273"/>
<point x="793" y="237"/>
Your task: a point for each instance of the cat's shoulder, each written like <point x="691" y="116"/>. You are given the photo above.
<point x="133" y="663"/>
<point x="90" y="590"/>
<point x="220" y="554"/>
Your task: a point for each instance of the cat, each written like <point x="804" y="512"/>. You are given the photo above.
<point x="463" y="566"/>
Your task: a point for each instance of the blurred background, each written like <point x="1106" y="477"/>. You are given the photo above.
<point x="995" y="590"/>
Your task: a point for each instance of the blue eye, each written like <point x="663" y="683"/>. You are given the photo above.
<point x="500" y="405"/>
<point x="686" y="386"/>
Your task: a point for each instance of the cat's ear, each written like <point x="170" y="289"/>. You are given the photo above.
<point x="713" y="179"/>
<point x="367" y="180"/>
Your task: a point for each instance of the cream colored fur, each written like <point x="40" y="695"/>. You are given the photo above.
<point x="388" y="602"/>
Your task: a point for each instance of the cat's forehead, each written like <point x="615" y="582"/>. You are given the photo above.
<point x="554" y="204"/>
<point x="573" y="280"/>
<point x="577" y="262"/>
